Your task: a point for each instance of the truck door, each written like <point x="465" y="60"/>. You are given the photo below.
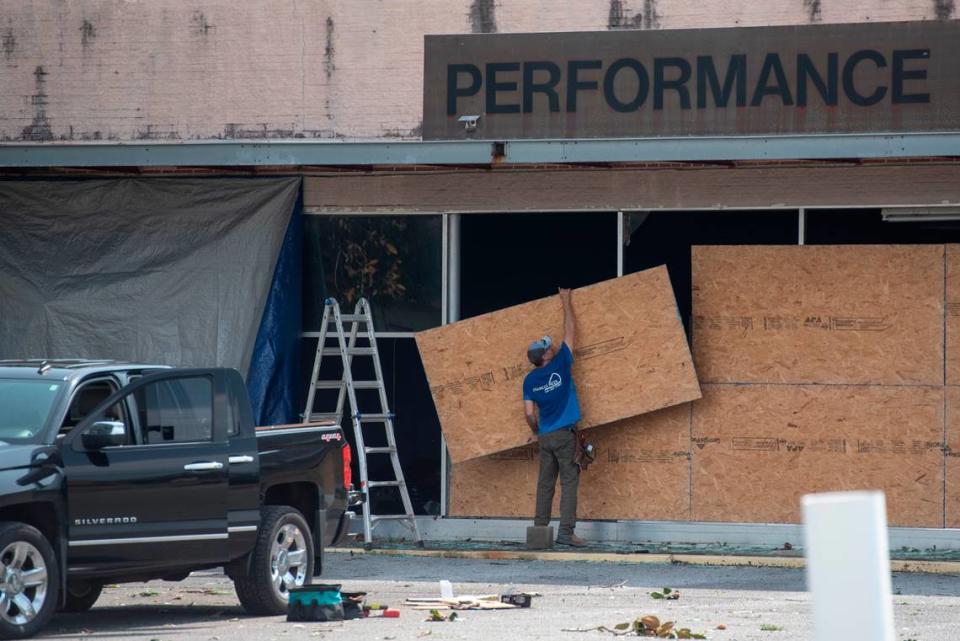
<point x="146" y="478"/>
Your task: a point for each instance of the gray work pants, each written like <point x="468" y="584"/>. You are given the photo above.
<point x="556" y="457"/>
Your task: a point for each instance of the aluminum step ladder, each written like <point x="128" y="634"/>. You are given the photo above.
<point x="347" y="348"/>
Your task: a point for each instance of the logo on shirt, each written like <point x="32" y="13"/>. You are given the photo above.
<point x="552" y="383"/>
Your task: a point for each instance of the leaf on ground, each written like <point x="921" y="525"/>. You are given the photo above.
<point x="656" y="595"/>
<point x="665" y="631"/>
<point x="767" y="627"/>
<point x="622" y="626"/>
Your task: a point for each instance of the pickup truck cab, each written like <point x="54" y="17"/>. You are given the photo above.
<point x="113" y="472"/>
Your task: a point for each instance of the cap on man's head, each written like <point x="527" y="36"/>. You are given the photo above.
<point x="537" y="349"/>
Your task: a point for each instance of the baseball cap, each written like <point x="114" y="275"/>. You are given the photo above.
<point x="538" y="348"/>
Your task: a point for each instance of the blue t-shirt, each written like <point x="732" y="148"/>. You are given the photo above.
<point x="551" y="387"/>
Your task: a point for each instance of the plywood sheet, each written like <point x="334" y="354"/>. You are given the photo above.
<point x="952" y="502"/>
<point x="641" y="472"/>
<point x="865" y="314"/>
<point x="631" y="357"/>
<point x="758" y="448"/>
<point x="953" y="315"/>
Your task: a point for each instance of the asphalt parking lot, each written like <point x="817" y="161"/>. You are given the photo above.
<point x="749" y="603"/>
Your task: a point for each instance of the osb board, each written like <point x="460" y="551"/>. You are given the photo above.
<point x="864" y="314"/>
<point x="952" y="503"/>
<point x="631" y="357"/>
<point x="953" y="314"/>
<point x="758" y="448"/>
<point x="641" y="472"/>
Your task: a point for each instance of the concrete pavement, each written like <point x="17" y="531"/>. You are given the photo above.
<point x="767" y="604"/>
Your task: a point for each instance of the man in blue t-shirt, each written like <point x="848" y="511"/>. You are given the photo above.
<point x="552" y="411"/>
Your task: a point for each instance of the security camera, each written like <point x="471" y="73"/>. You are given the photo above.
<point x="469" y="122"/>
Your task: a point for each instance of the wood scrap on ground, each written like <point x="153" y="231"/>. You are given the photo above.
<point x="484" y="602"/>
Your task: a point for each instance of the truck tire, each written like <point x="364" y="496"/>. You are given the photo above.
<point x="29" y="581"/>
<point x="80" y="597"/>
<point x="282" y="558"/>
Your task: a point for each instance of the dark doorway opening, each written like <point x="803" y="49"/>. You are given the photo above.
<point x="509" y="259"/>
<point x="659" y="238"/>
<point x="867" y="227"/>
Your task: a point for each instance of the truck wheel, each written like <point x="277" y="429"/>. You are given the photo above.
<point x="29" y="581"/>
<point x="281" y="559"/>
<point x="81" y="596"/>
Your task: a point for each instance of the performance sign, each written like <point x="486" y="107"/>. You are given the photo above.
<point x="895" y="77"/>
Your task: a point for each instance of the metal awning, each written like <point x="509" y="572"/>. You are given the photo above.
<point x="247" y="153"/>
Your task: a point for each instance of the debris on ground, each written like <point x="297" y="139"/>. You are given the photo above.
<point x="666" y="593"/>
<point x="484" y="602"/>
<point x="436" y="615"/>
<point x="646" y="626"/>
<point x="767" y="627"/>
<point x="447" y="601"/>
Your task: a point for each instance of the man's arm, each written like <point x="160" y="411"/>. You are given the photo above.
<point x="529" y="410"/>
<point x="568" y="320"/>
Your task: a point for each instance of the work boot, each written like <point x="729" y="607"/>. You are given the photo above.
<point x="572" y="540"/>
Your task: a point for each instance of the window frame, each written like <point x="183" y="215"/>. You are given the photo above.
<point x="142" y="437"/>
<point x="126" y="395"/>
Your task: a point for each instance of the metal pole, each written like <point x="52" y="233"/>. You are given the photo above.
<point x="454" y="278"/>
<point x="621" y="219"/>
<point x="451" y="314"/>
<point x="444" y="281"/>
<point x="802" y="227"/>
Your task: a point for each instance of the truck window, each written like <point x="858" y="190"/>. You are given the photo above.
<point x="86" y="398"/>
<point x="26" y="407"/>
<point x="175" y="410"/>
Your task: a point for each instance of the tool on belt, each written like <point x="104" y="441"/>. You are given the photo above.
<point x="584" y="453"/>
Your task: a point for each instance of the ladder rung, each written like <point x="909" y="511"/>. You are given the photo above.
<point x="354" y="351"/>
<point x="354" y="318"/>
<point x="323" y="416"/>
<point x="366" y="385"/>
<point x="329" y="384"/>
<point x="380" y="450"/>
<point x="374" y="418"/>
<point x="391" y="517"/>
<point x="385" y="483"/>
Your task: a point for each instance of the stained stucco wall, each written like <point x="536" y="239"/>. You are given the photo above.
<point x="208" y="69"/>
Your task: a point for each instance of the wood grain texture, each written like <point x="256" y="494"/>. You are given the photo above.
<point x="641" y="472"/>
<point x="953" y="315"/>
<point x="610" y="189"/>
<point x="631" y="357"/>
<point x="758" y="448"/>
<point x="952" y="502"/>
<point x="864" y="314"/>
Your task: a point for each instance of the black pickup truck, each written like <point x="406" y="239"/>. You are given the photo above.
<point x="113" y="473"/>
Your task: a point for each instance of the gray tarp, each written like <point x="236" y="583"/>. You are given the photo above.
<point x="171" y="271"/>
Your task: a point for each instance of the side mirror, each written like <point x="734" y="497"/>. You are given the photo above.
<point x="104" y="434"/>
